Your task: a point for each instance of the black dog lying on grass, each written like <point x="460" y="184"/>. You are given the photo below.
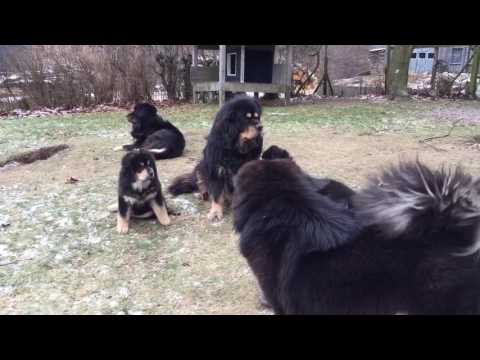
<point x="409" y="245"/>
<point x="151" y="132"/>
<point x="139" y="190"/>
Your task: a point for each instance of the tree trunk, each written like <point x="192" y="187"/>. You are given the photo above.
<point x="472" y="86"/>
<point x="168" y="74"/>
<point x="388" y="54"/>
<point x="325" y="71"/>
<point x="325" y="81"/>
<point x="398" y="71"/>
<point x="187" y="83"/>
<point x="434" y="69"/>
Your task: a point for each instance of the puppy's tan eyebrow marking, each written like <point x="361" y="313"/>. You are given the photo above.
<point x="249" y="115"/>
<point x="255" y="115"/>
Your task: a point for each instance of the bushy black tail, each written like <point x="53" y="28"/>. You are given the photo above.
<point x="412" y="198"/>
<point x="183" y="184"/>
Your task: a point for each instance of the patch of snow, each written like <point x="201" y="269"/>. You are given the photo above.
<point x="135" y="312"/>
<point x="5" y="252"/>
<point x="186" y="206"/>
<point x="123" y="292"/>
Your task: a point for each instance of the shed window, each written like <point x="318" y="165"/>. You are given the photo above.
<point x="430" y="55"/>
<point x="422" y="55"/>
<point x="232" y="64"/>
<point x="414" y="55"/>
<point x="457" y="55"/>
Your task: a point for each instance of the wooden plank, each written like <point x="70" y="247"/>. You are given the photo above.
<point x="221" y="74"/>
<point x="207" y="86"/>
<point x="240" y="87"/>
<point x="254" y="87"/>
<point x="203" y="74"/>
<point x="278" y="74"/>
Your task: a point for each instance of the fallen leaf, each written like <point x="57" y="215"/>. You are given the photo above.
<point x="71" y="180"/>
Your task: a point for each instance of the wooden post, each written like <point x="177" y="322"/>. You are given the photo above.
<point x="288" y="75"/>
<point x="195" y="55"/>
<point x="242" y="64"/>
<point x="434" y="69"/>
<point x="221" y="74"/>
<point x="194" y="64"/>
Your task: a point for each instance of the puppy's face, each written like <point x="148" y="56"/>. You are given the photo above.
<point x="141" y="164"/>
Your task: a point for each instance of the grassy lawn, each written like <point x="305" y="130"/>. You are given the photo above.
<point x="60" y="252"/>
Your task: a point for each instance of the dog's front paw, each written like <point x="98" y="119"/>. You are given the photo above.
<point x="118" y="148"/>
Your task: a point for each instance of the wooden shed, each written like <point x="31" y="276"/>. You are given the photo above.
<point x="242" y="68"/>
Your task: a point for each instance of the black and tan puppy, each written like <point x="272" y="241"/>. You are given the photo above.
<point x="151" y="132"/>
<point x="331" y="188"/>
<point x="234" y="139"/>
<point x="139" y="190"/>
<point x="409" y="245"/>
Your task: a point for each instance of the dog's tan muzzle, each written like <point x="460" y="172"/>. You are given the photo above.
<point x="251" y="133"/>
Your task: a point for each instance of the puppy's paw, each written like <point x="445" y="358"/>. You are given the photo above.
<point x="215" y="213"/>
<point x="118" y="148"/>
<point x="165" y="221"/>
<point x="122" y="225"/>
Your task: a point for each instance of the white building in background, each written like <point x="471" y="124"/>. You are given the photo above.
<point x="451" y="59"/>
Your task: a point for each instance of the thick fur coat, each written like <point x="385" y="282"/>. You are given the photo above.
<point x="409" y="245"/>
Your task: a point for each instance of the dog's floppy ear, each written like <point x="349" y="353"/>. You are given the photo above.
<point x="226" y="127"/>
<point x="127" y="171"/>
<point x="258" y="106"/>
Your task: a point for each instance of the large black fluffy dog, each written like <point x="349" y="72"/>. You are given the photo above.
<point x="409" y="245"/>
<point x="151" y="132"/>
<point x="234" y="139"/>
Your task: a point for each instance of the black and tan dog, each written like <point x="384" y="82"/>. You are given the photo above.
<point x="234" y="139"/>
<point x="409" y="245"/>
<point x="151" y="132"/>
<point x="139" y="190"/>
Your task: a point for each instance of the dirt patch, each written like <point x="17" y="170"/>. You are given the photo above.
<point x="29" y="157"/>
